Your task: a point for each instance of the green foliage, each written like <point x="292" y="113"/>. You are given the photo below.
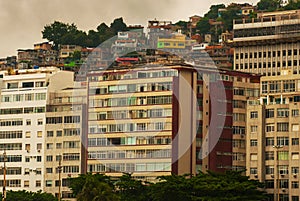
<point x="29" y="196"/>
<point x="130" y="189"/>
<point x="76" y="56"/>
<point x="292" y="5"/>
<point x="118" y="25"/>
<point x="57" y="30"/>
<point x="67" y="34"/>
<point x="229" y="186"/>
<point x="268" y="5"/>
<point x="213" y="12"/>
<point x="203" y="26"/>
<point x="95" y="189"/>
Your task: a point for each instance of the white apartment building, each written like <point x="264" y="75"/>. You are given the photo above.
<point x="24" y="96"/>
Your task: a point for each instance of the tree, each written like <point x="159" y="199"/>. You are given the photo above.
<point x="29" y="196"/>
<point x="204" y="26"/>
<point x="268" y="5"/>
<point x="171" y="188"/>
<point x="292" y="5"/>
<point x="130" y="189"/>
<point x="57" y="30"/>
<point x="95" y="187"/>
<point x="229" y="186"/>
<point x="118" y="25"/>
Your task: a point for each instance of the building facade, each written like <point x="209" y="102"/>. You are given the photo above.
<point x="268" y="44"/>
<point x="273" y="136"/>
<point x="157" y="119"/>
<point x="65" y="154"/>
<point x="22" y="116"/>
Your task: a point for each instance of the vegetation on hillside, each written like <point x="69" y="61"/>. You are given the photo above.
<point x="68" y="34"/>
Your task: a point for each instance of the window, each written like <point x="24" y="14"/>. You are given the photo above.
<point x="49" y="145"/>
<point x="40" y="122"/>
<point x="40" y="96"/>
<point x="253" y="170"/>
<point x="28" y="122"/>
<point x="50" y="133"/>
<point x="295" y="141"/>
<point x="28" y="97"/>
<point x="295" y="127"/>
<point x="283" y="169"/>
<point x="253" y="129"/>
<point x="48" y="183"/>
<point x="253" y="157"/>
<point x="295" y="198"/>
<point x="49" y="170"/>
<point x="270" y="128"/>
<point x="295" y="113"/>
<point x="295" y="170"/>
<point x="39" y="146"/>
<point x="282" y="127"/>
<point x="269" y="155"/>
<point x="58" y="145"/>
<point x="39" y="158"/>
<point x="283" y="141"/>
<point x="269" y="141"/>
<point x="141" y="126"/>
<point x="27" y="134"/>
<point x="283" y="155"/>
<point x="282" y="112"/>
<point x="269" y="183"/>
<point x="72" y="119"/>
<point x="27" y="84"/>
<point x="295" y="156"/>
<point x="27" y="147"/>
<point x="38" y="183"/>
<point x="27" y="159"/>
<point x="284" y="183"/>
<point x="253" y="143"/>
<point x="269" y="113"/>
<point x="39" y="134"/>
<point x="53" y="120"/>
<point x="26" y="183"/>
<point x="269" y="169"/>
<point x="49" y="158"/>
<point x="58" y="133"/>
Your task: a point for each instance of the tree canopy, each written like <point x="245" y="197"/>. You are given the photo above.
<point x="68" y="34"/>
<point x="229" y="186"/>
<point x="29" y="196"/>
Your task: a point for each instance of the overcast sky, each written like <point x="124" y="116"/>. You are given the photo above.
<point x="21" y="21"/>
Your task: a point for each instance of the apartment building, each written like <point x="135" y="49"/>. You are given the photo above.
<point x="24" y="96"/>
<point x="273" y="136"/>
<point x="65" y="148"/>
<point x="130" y="121"/>
<point x="222" y="97"/>
<point x="156" y="119"/>
<point x="268" y="44"/>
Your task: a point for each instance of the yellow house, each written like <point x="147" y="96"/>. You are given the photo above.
<point x="177" y="41"/>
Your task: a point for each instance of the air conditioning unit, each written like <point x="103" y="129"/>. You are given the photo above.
<point x="282" y="175"/>
<point x="255" y="175"/>
<point x="295" y="175"/>
<point x="38" y="150"/>
<point x="272" y="175"/>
